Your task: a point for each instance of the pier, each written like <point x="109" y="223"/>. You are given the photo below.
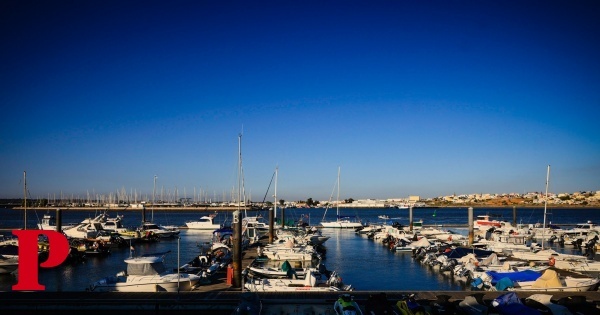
<point x="213" y="302"/>
<point x="219" y="297"/>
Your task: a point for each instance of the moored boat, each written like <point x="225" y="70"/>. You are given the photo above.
<point x="146" y="274"/>
<point x="312" y="282"/>
<point x="204" y="223"/>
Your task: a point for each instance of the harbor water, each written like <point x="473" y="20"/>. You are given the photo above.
<point x="365" y="264"/>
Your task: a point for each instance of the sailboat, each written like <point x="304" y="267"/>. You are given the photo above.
<point x="340" y="222"/>
<point x="149" y="227"/>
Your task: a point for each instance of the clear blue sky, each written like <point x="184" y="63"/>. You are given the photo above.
<point x="424" y="98"/>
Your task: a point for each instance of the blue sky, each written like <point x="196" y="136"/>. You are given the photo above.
<point x="421" y="98"/>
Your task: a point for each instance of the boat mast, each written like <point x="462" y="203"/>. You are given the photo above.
<point x="25" y="204"/>
<point x="239" y="174"/>
<point x="153" y="200"/>
<point x="275" y="196"/>
<point x="338" y="196"/>
<point x="545" y="205"/>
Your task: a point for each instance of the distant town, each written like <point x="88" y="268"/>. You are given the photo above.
<point x="116" y="201"/>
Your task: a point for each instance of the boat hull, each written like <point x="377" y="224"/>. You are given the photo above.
<point x="341" y="225"/>
<point x="141" y="285"/>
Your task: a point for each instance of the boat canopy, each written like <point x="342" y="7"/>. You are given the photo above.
<point x="146" y="269"/>
<point x="459" y="252"/>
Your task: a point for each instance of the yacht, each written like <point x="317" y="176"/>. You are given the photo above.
<point x="205" y="223"/>
<point x="146" y="274"/>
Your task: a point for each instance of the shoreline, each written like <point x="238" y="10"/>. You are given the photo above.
<point x="566" y="207"/>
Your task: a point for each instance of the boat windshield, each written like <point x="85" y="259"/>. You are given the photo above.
<point x="145" y="269"/>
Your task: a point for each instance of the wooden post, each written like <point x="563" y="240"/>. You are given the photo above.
<point x="237" y="249"/>
<point x="471" y="236"/>
<point x="58" y="220"/>
<point x="271" y="222"/>
<point x="410" y="218"/>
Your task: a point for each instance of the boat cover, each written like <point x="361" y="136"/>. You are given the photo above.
<point x="459" y="252"/>
<point x="525" y="275"/>
<point x="510" y="304"/>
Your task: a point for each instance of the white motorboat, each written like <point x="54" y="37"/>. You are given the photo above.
<point x="578" y="265"/>
<point x="49" y="223"/>
<point x="484" y="222"/>
<point x="312" y="282"/>
<point x="87" y="229"/>
<point x="146" y="274"/>
<point x="160" y="231"/>
<point x="506" y="243"/>
<point x="286" y="269"/>
<point x="551" y="281"/>
<point x="115" y="225"/>
<point x="342" y="223"/>
<point x="278" y="252"/>
<point x="544" y="255"/>
<point x="204" y="223"/>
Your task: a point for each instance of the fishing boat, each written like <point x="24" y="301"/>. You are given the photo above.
<point x="341" y="221"/>
<point x="146" y="274"/>
<point x="384" y="217"/>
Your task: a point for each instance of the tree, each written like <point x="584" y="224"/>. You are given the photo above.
<point x="349" y="200"/>
<point x="310" y="202"/>
<point x="281" y="202"/>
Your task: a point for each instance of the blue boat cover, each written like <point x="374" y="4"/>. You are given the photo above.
<point x="526" y="275"/>
<point x="510" y="304"/>
<point x="504" y="284"/>
<point x="463" y="251"/>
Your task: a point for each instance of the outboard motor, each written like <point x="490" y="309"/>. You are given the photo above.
<point x="561" y="240"/>
<point x="323" y="270"/>
<point x="449" y="265"/>
<point x="590" y="248"/>
<point x="578" y="243"/>
<point x="488" y="233"/>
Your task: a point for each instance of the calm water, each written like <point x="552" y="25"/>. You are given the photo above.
<point x="361" y="262"/>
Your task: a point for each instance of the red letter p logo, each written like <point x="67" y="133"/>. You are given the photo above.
<point x="28" y="256"/>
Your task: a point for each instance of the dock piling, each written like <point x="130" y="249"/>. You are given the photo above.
<point x="471" y="234"/>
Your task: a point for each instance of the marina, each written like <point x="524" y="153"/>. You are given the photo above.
<point x="347" y="252"/>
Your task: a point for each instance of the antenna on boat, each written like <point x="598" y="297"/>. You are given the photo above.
<point x="545" y="205"/>
<point x="131" y="249"/>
